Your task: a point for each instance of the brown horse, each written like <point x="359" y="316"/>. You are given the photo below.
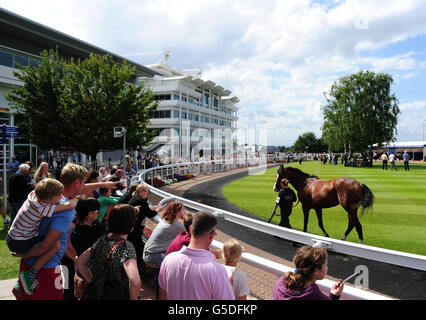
<point x="314" y="193"/>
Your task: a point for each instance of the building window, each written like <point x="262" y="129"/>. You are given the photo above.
<point x="175" y="114"/>
<point x="21" y="60"/>
<point x="160" y="114"/>
<point x="206" y="99"/>
<point x="161" y="97"/>
<point x="192" y="116"/>
<point x="183" y="115"/>
<point x="6" y="58"/>
<point x="176" y="97"/>
<point x="205" y="119"/>
<point x="33" y="62"/>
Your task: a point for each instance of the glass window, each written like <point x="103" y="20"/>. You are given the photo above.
<point x="175" y="114"/>
<point x="183" y="115"/>
<point x="6" y="58"/>
<point x="20" y="59"/>
<point x="33" y="62"/>
<point x="176" y="97"/>
<point x="206" y="99"/>
<point x="183" y="99"/>
<point x="161" y="97"/>
<point x="165" y="114"/>
<point x="160" y="114"/>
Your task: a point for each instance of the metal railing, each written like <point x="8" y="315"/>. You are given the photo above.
<point x="403" y="259"/>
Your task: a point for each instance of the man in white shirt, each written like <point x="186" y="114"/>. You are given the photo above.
<point x="392" y="161"/>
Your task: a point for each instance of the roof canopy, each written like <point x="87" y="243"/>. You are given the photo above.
<point x="408" y="144"/>
<point x="170" y="74"/>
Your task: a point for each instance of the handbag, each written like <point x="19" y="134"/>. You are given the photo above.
<point x="79" y="285"/>
<point x="102" y="288"/>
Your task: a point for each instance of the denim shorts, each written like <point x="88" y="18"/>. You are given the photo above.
<point x="153" y="259"/>
<point x="22" y="246"/>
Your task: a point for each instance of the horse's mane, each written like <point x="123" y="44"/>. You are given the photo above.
<point x="301" y="173"/>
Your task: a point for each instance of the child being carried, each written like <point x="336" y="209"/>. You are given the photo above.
<point x="23" y="239"/>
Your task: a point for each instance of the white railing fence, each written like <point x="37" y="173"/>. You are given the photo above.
<point x="363" y="251"/>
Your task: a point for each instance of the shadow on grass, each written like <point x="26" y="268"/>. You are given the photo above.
<point x="3" y="232"/>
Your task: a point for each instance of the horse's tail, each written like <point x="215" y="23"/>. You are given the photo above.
<point x="367" y="199"/>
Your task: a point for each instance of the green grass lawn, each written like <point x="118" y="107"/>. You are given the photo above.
<point x="397" y="220"/>
<point x="8" y="265"/>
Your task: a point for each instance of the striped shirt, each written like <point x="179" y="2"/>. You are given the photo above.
<point x="27" y="221"/>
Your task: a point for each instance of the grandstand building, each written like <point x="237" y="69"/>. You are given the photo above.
<point x="21" y="41"/>
<point x="194" y="117"/>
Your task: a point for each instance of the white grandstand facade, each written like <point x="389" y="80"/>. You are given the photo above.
<point x="194" y="117"/>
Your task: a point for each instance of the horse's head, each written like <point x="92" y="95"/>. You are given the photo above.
<point x="280" y="175"/>
<point x="297" y="177"/>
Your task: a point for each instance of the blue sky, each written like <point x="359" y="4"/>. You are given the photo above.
<point x="277" y="57"/>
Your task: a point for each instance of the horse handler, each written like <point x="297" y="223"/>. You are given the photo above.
<point x="285" y="200"/>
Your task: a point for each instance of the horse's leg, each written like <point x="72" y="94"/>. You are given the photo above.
<point x="354" y="222"/>
<point x="306" y="217"/>
<point x="358" y="228"/>
<point x="351" y="225"/>
<point x="320" y="224"/>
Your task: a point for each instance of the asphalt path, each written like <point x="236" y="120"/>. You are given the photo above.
<point x="398" y="282"/>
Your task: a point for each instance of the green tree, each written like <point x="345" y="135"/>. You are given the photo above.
<point x="39" y="97"/>
<point x="76" y="104"/>
<point x="308" y="142"/>
<point x="100" y="98"/>
<point x="360" y="111"/>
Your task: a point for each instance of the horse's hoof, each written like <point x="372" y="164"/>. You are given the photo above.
<point x="361" y="241"/>
<point x="326" y="235"/>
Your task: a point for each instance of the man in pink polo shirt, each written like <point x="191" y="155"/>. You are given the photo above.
<point x="192" y="273"/>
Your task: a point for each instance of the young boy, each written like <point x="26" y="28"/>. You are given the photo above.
<point x="22" y="238"/>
